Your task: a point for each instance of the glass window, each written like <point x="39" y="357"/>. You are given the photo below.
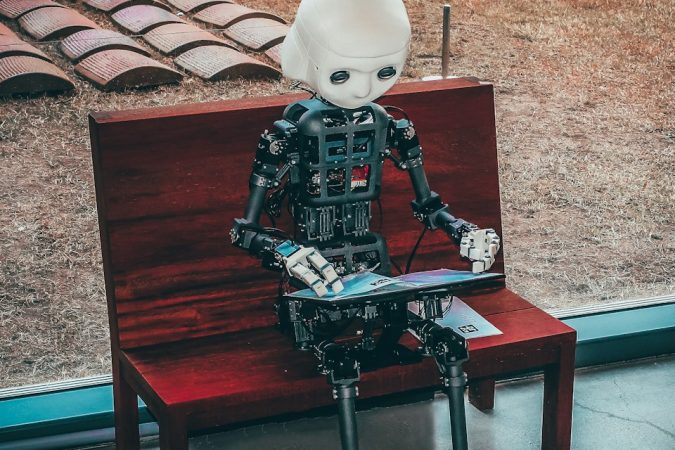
<point x="586" y="147"/>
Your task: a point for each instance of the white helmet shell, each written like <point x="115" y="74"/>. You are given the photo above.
<point x="349" y="51"/>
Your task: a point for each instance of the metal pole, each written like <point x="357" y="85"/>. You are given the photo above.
<point x="455" y="392"/>
<point x="446" y="41"/>
<point x="346" y="396"/>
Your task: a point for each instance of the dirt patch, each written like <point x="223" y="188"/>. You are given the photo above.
<point x="586" y="136"/>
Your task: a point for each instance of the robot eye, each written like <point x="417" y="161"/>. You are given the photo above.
<point x="386" y="73"/>
<point x="339" y="77"/>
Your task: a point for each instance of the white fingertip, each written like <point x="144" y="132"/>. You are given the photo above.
<point x="478" y="267"/>
<point x="330" y="274"/>
<point x="320" y="289"/>
<point x="337" y="286"/>
<point x="493" y="249"/>
<point x="464" y="249"/>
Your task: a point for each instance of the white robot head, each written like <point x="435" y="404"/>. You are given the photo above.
<point x="349" y="51"/>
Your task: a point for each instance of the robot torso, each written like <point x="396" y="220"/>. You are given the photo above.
<point x="340" y="154"/>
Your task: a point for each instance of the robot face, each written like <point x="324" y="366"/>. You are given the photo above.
<point x="349" y="51"/>
<point x="353" y="82"/>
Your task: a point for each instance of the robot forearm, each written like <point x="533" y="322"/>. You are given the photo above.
<point x="479" y="245"/>
<point x="433" y="213"/>
<point x="455" y="227"/>
<point x="247" y="233"/>
<point x="427" y="206"/>
<point x="304" y="263"/>
<point x="257" y="241"/>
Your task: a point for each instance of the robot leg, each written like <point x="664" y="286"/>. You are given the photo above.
<point x="450" y="351"/>
<point x="343" y="370"/>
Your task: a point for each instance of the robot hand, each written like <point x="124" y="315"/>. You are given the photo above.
<point x="309" y="266"/>
<point x="481" y="247"/>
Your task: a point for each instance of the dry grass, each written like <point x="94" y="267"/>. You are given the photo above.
<point x="586" y="141"/>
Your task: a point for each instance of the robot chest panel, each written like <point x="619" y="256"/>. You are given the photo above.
<point x="346" y="182"/>
<point x="341" y="164"/>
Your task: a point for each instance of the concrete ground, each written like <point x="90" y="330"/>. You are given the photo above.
<point x="628" y="406"/>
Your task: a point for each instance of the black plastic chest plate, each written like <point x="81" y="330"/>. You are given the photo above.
<point x="340" y="152"/>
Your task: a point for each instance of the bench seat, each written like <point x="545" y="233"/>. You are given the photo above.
<point x="256" y="373"/>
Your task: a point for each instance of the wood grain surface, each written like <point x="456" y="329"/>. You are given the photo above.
<point x="192" y="317"/>
<point x="170" y="183"/>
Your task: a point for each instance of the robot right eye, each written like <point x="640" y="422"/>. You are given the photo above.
<point x="386" y="73"/>
<point x="339" y="77"/>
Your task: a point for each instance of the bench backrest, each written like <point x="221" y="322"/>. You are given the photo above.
<point x="170" y="181"/>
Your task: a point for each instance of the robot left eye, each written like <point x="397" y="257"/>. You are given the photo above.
<point x="339" y="77"/>
<point x="386" y="73"/>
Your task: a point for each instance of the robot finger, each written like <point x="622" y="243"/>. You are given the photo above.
<point x="489" y="261"/>
<point x="309" y="278"/>
<point x="478" y="266"/>
<point x="493" y="238"/>
<point x="481" y="238"/>
<point x="494" y="248"/>
<point x="327" y="271"/>
<point x="476" y="253"/>
<point x="337" y="285"/>
<point x="482" y="265"/>
<point x="465" y="246"/>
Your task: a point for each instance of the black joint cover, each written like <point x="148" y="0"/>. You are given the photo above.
<point x="271" y="149"/>
<point x="342" y="366"/>
<point x="406" y="140"/>
<point x="286" y="128"/>
<point x="239" y="234"/>
<point x="427" y="210"/>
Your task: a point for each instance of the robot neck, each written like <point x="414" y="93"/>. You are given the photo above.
<point x="333" y="105"/>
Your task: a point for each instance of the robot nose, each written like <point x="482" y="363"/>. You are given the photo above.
<point x="362" y="87"/>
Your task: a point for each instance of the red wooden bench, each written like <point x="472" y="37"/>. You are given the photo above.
<point x="191" y="317"/>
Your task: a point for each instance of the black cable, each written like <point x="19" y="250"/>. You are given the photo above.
<point x="289" y="207"/>
<point x="396" y="266"/>
<point x="447" y="308"/>
<point x="414" y="250"/>
<point x="274" y="201"/>
<point x="280" y="290"/>
<point x="276" y="232"/>
<point x="271" y="217"/>
<point x="396" y="108"/>
<point x="299" y="85"/>
<point x="381" y="215"/>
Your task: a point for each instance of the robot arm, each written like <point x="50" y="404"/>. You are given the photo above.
<point x="247" y="233"/>
<point x="478" y="245"/>
<point x="274" y="249"/>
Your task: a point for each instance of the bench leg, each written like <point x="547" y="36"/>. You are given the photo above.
<point x="558" y="392"/>
<point x="172" y="432"/>
<point x="482" y="393"/>
<point x="126" y="414"/>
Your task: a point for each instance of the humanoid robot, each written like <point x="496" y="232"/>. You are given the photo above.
<point x="325" y="157"/>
